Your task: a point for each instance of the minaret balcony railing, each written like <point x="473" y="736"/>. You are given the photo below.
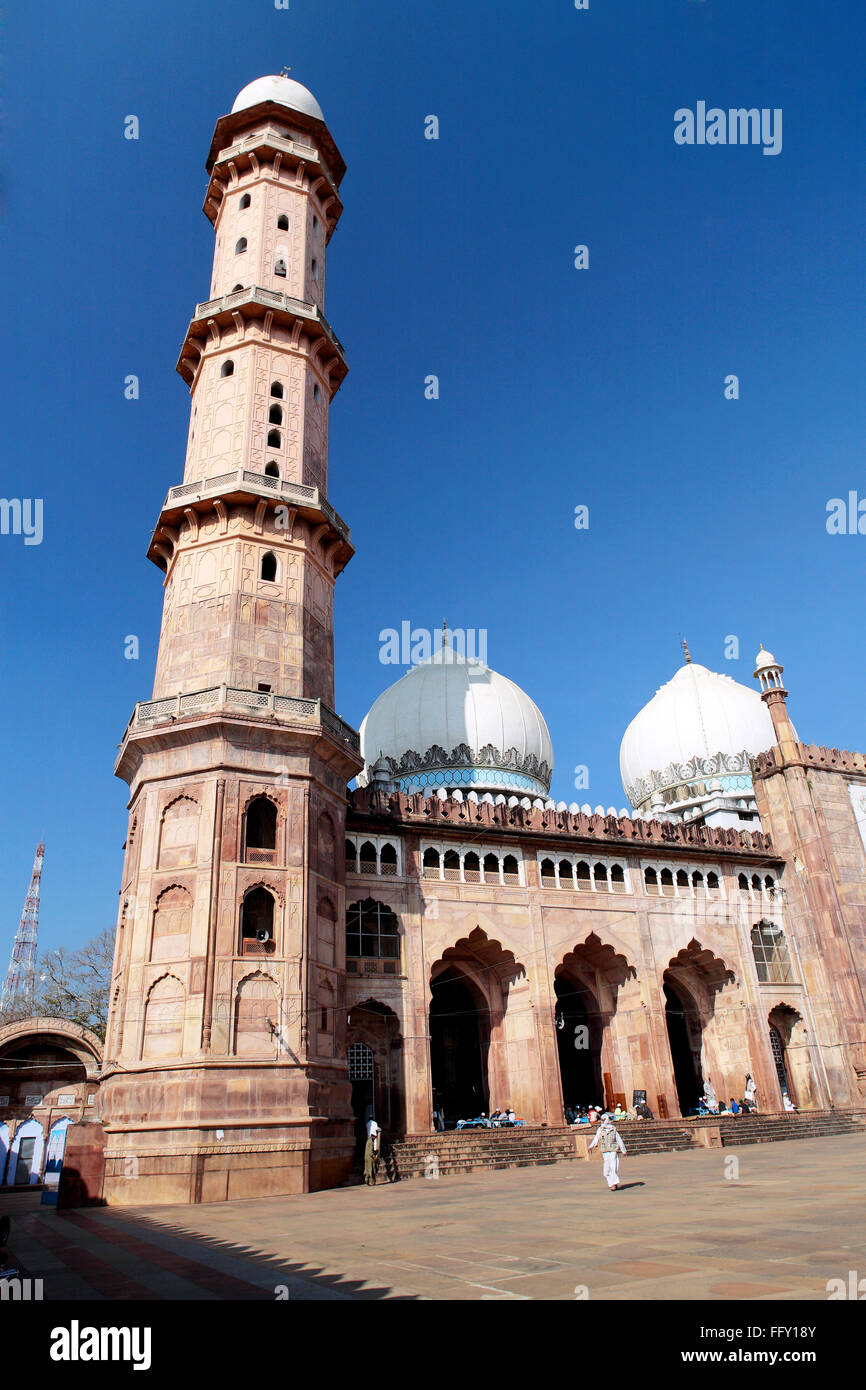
<point x="270" y="299"/>
<point x="244" y="480"/>
<point x="150" y="712"/>
<point x="272" y="141"/>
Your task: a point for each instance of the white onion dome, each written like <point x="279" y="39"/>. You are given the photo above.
<point x="281" y="89"/>
<point x="763" y="660"/>
<point x="700" y="725"/>
<point x="453" y="723"/>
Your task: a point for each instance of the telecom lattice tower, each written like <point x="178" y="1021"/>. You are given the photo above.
<point x="18" y="985"/>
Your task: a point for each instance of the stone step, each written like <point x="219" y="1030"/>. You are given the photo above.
<point x="474" y="1150"/>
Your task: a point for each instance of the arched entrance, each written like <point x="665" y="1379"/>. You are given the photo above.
<point x="587" y="985"/>
<point x="54" y="1152"/>
<point x="778" y="1050"/>
<point x="578" y="1038"/>
<point x="362" y="1076"/>
<point x="375" y="1055"/>
<point x="479" y="1006"/>
<point x="25" y="1155"/>
<point x="706" y="1037"/>
<point x="684" y="1038"/>
<point x="459" y="1043"/>
<point x="790" y="1048"/>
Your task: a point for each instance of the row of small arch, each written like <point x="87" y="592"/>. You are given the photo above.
<point x="566" y="874"/>
<point x="668" y="884"/>
<point x="470" y="868"/>
<point x="364" y="859"/>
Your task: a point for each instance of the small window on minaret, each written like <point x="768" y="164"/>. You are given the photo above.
<point x="275" y="415"/>
<point x="277" y="389"/>
<point x="241" y="246"/>
<point x="274" y="439"/>
<point x="271" y="470"/>
<point x="315" y="269"/>
<point x="317" y="395"/>
<point x="282" y="223"/>
<point x="280" y="267"/>
<point x="315" y="223"/>
<point x="245" y="201"/>
<point x="269" y="567"/>
<point x="227" y="369"/>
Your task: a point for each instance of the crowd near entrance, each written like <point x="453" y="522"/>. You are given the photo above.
<point x="483" y="1047"/>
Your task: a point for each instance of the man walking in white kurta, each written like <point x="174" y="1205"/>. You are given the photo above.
<point x="612" y="1146"/>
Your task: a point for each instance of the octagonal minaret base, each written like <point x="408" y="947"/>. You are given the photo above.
<point x="224" y="1131"/>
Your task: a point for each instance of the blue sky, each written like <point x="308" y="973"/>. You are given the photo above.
<point x="455" y="257"/>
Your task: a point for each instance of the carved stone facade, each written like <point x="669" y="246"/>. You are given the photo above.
<point x="667" y="971"/>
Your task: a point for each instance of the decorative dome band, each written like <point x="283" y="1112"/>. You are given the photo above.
<point x="463" y="767"/>
<point x="677" y="773"/>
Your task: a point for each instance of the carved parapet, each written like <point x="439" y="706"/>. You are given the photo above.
<point x="840" y="760"/>
<point x="416" y="809"/>
<point x="808" y="755"/>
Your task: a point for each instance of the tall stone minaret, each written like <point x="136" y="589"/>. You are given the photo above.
<point x="223" y="1070"/>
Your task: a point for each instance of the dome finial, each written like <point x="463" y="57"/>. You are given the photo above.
<point x="444" y="633"/>
<point x="686" y="653"/>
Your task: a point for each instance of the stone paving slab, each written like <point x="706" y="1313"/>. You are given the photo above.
<point x="678" y="1229"/>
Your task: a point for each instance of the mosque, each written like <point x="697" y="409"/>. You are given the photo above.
<point x="291" y="954"/>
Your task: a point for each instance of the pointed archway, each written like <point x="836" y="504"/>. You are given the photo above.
<point x="789" y="1044"/>
<point x="587" y="983"/>
<point x="459" y="1045"/>
<point x="684" y="1039"/>
<point x="470" y="988"/>
<point x="375" y="1053"/>
<point x="692" y="984"/>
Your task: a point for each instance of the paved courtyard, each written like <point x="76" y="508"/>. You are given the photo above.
<point x="678" y="1229"/>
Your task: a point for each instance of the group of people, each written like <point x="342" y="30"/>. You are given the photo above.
<point x="709" y="1105"/>
<point x="591" y="1114"/>
<point x="498" y="1119"/>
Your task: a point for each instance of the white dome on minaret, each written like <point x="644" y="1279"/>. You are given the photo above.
<point x="699" y="725"/>
<point x="282" y="89"/>
<point x="451" y="722"/>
